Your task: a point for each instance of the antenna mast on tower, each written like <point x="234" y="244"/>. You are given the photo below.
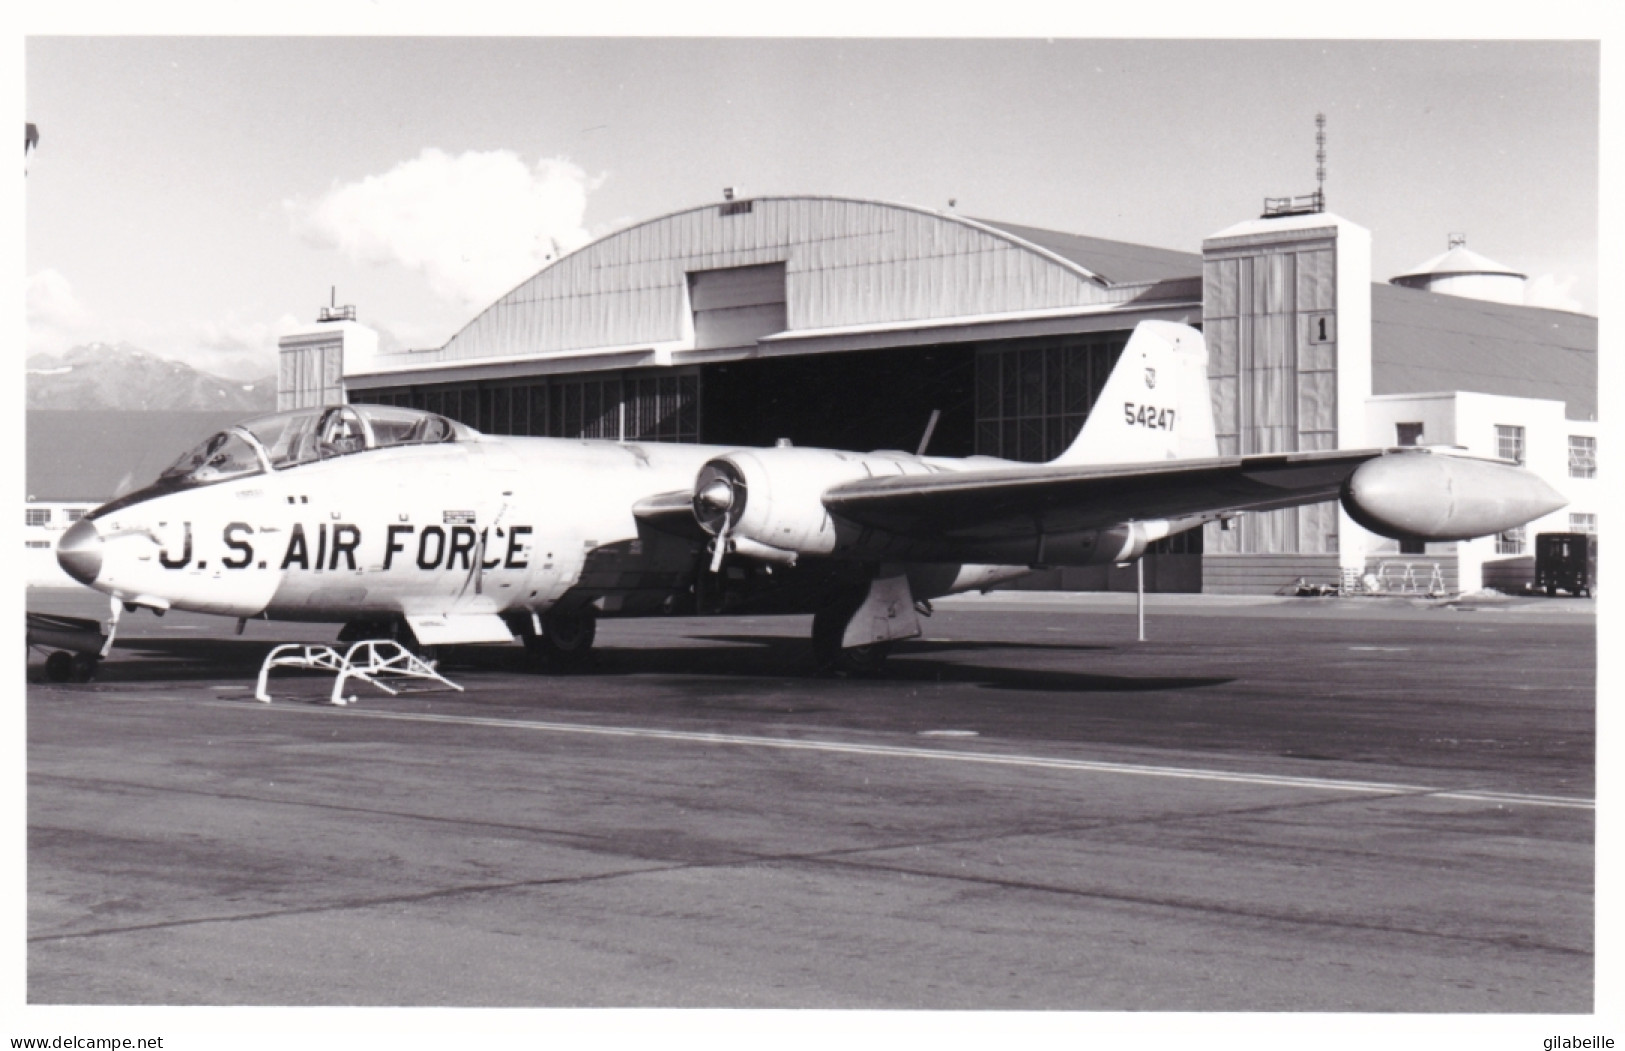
<point x="1310" y="203"/>
<point x="1320" y="162"/>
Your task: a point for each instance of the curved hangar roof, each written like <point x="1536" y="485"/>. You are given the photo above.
<point x="798" y="271"/>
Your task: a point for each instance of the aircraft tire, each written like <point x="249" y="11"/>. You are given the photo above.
<point x="829" y="624"/>
<point x="357" y="630"/>
<point x="566" y="639"/>
<point x="84" y="667"/>
<point x="396" y="630"/>
<point x="59" y="666"/>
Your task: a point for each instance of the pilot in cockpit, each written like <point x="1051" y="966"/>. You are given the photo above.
<point x="341" y="434"/>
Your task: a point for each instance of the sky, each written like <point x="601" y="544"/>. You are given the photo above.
<point x="199" y="196"/>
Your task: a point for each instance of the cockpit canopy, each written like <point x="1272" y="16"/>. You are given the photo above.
<point x="298" y="436"/>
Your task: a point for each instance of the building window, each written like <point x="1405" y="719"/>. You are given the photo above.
<point x="1509" y="442"/>
<point x="585" y="408"/>
<point x="1582" y="523"/>
<point x="75" y="513"/>
<point x="1582" y="456"/>
<point x="1413" y="547"/>
<point x="660" y="407"/>
<point x="1408" y="433"/>
<point x="1510" y="542"/>
<point x="1032" y="398"/>
<point x="39" y="516"/>
<point x="38" y="543"/>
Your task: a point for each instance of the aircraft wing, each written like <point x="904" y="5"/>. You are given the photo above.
<point x="1006" y="503"/>
<point x="671" y="513"/>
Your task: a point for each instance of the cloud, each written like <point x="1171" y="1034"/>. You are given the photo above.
<point x="229" y="347"/>
<point x="56" y="317"/>
<point x="1553" y="292"/>
<point x="475" y="225"/>
<point x="232" y="348"/>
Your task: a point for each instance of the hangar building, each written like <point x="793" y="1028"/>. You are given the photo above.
<point x="849" y="323"/>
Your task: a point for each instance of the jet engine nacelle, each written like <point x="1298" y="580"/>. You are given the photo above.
<point x="775" y="496"/>
<point x="1440" y="497"/>
<point x="1127" y="542"/>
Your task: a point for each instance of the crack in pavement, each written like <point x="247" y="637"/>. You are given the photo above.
<point x="851" y="858"/>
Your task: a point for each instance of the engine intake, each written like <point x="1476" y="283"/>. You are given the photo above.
<point x="774" y="496"/>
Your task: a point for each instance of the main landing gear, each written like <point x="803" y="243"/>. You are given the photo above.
<point x="853" y="635"/>
<point x="386" y="629"/>
<point x="566" y="638"/>
<point x="828" y="628"/>
<point x="62" y="666"/>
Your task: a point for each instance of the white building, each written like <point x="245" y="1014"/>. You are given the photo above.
<point x="1530" y="431"/>
<point x="311" y="361"/>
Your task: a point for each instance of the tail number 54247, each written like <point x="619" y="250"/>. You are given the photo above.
<point x="1158" y="419"/>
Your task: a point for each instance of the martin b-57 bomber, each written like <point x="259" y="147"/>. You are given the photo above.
<point x="404" y="524"/>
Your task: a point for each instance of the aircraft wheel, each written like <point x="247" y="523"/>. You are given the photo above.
<point x="59" y="666"/>
<point x="83" y="667"/>
<point x="566" y="639"/>
<point x="396" y="630"/>
<point x="829" y="624"/>
<point x="393" y="630"/>
<point x="409" y="641"/>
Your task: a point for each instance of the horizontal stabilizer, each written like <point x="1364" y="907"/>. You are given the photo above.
<point x="458" y="628"/>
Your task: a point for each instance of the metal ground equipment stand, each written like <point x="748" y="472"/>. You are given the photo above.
<point x="370" y="660"/>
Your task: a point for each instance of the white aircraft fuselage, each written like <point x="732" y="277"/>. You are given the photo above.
<point x="468" y="527"/>
<point x="488" y="525"/>
<point x="379" y="517"/>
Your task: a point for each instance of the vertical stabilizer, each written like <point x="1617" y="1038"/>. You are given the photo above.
<point x="1155" y="405"/>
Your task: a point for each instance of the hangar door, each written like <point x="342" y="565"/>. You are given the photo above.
<point x="736" y="306"/>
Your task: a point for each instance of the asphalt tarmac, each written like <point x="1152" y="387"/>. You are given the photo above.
<point x="1291" y="805"/>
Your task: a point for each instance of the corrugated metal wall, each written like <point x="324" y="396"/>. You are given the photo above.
<point x="846" y="262"/>
<point x="1274" y="374"/>
<point x="310" y="373"/>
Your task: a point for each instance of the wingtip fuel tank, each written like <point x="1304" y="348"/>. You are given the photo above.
<point x="1439" y="497"/>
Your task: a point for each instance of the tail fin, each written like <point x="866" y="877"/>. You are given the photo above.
<point x="1155" y="405"/>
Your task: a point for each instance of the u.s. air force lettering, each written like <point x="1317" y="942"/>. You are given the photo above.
<point x="330" y="548"/>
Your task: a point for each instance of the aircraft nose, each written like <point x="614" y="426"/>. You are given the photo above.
<point x="79" y="552"/>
